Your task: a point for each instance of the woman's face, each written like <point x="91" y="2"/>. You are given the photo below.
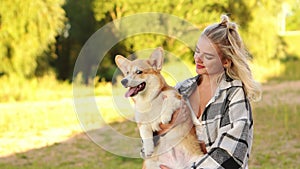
<point x="206" y="58"/>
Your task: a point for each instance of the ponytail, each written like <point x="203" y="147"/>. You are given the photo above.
<point x="226" y="38"/>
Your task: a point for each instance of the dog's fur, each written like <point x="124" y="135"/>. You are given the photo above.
<point x="155" y="103"/>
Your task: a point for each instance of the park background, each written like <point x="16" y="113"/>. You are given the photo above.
<point x="41" y="40"/>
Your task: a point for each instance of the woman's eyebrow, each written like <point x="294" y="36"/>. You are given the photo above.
<point x="205" y="53"/>
<point x="210" y="54"/>
<point x="198" y="51"/>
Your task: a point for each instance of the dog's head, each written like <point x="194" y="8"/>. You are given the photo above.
<point x="142" y="76"/>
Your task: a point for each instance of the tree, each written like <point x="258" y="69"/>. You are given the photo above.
<point x="248" y="14"/>
<point x="199" y="13"/>
<point x="27" y="29"/>
<point x="80" y="26"/>
<point x="108" y="11"/>
<point x="293" y="18"/>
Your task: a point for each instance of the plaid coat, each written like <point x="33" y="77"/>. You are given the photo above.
<point x="226" y="125"/>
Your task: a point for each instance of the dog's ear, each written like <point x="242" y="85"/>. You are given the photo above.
<point x="122" y="63"/>
<point x="157" y="58"/>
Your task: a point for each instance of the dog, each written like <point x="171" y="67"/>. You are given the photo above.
<point x="155" y="102"/>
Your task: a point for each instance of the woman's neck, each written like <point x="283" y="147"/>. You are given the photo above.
<point x="210" y="81"/>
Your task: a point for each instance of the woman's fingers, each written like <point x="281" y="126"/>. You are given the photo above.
<point x="179" y="116"/>
<point x="182" y="113"/>
<point x="163" y="167"/>
<point x="166" y="127"/>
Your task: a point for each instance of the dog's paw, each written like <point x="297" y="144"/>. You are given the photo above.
<point x="177" y="104"/>
<point x="148" y="149"/>
<point x="146" y="153"/>
<point x="142" y="153"/>
<point x="155" y="127"/>
<point x="165" y="119"/>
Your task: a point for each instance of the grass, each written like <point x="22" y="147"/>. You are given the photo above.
<point x="46" y="88"/>
<point x="276" y="137"/>
<point x="35" y="116"/>
<point x="77" y="152"/>
<point x="40" y="129"/>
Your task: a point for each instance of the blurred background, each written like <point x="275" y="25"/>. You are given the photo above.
<point x="41" y="40"/>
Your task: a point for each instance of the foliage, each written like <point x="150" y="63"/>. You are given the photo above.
<point x="27" y="28"/>
<point x="292" y="18"/>
<point x="80" y="25"/>
<point x="265" y="47"/>
<point x="198" y="13"/>
<point x="289" y="73"/>
<point x="262" y="40"/>
<point x="292" y="47"/>
<point x="37" y="35"/>
<point x="16" y="88"/>
<point x="45" y="37"/>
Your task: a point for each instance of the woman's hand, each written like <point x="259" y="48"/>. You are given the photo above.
<point x="163" y="167"/>
<point x="179" y="116"/>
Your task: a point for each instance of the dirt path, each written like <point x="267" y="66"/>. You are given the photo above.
<point x="273" y="94"/>
<point x="285" y="92"/>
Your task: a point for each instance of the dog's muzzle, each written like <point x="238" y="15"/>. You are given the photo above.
<point x="132" y="91"/>
<point x="124" y="82"/>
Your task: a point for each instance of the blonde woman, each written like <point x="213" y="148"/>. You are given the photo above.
<point x="219" y="97"/>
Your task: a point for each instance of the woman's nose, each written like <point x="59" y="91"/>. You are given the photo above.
<point x="197" y="57"/>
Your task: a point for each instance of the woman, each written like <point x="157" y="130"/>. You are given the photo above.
<point x="219" y="97"/>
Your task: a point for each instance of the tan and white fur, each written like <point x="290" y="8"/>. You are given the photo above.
<point x="155" y="103"/>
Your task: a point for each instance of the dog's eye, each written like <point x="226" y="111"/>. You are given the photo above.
<point x="138" y="72"/>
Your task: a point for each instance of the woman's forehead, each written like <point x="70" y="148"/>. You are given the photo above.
<point x="205" y="45"/>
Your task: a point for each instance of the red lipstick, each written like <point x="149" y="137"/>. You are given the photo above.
<point x="198" y="66"/>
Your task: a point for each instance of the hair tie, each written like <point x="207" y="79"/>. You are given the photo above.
<point x="231" y="25"/>
<point x="225" y="22"/>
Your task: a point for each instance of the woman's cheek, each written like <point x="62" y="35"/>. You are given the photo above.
<point x="214" y="67"/>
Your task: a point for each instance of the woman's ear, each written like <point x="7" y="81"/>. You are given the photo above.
<point x="226" y="63"/>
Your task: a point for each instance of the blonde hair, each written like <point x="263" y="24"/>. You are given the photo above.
<point x="225" y="37"/>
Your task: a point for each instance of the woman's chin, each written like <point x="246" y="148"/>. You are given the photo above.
<point x="201" y="71"/>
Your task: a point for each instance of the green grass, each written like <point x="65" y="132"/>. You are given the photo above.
<point x="75" y="153"/>
<point x="15" y="88"/>
<point x="276" y="136"/>
<point x="35" y="116"/>
<point x="42" y="131"/>
<point x="47" y="88"/>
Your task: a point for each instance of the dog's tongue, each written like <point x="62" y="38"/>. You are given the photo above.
<point x="131" y="92"/>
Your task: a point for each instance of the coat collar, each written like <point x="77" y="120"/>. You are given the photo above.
<point x="187" y="87"/>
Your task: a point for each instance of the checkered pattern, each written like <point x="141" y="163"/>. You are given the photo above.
<point x="227" y="125"/>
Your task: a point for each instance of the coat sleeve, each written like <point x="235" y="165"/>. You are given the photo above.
<point x="231" y="148"/>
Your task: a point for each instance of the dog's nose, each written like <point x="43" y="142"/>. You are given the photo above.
<point x="124" y="82"/>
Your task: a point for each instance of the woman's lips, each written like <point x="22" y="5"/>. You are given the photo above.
<point x="198" y="66"/>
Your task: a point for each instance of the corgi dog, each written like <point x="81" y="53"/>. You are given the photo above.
<point x="154" y="103"/>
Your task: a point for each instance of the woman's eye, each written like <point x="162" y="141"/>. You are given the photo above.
<point x="208" y="57"/>
<point x="196" y="54"/>
<point x="138" y="72"/>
